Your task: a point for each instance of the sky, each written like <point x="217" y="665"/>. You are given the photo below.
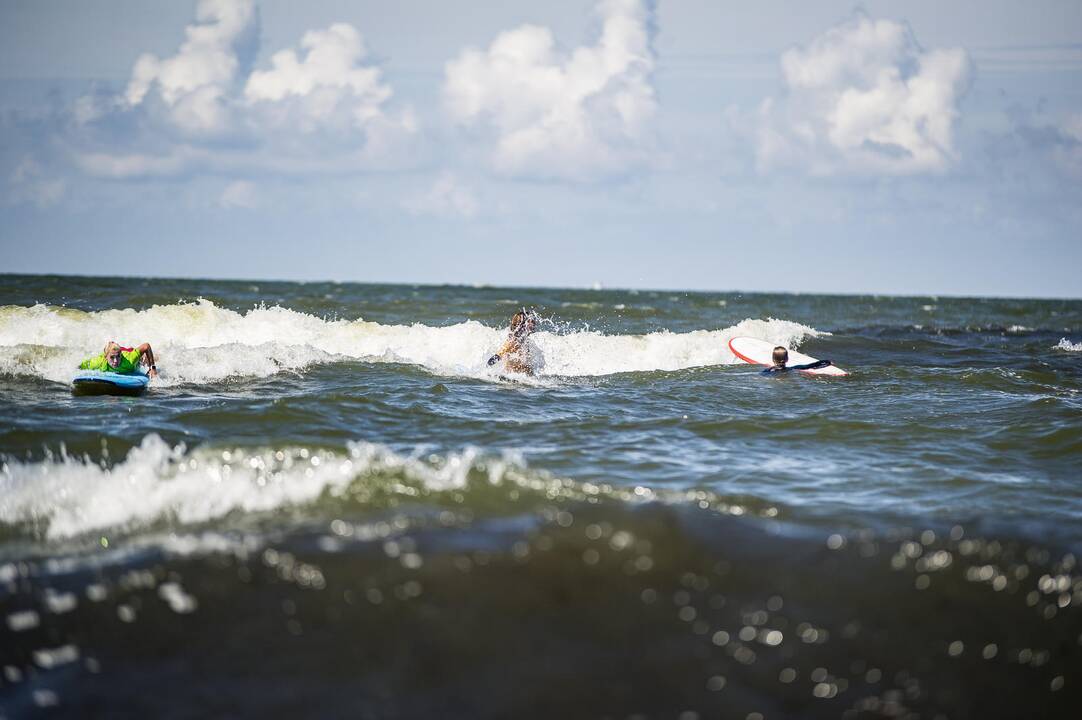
<point x="888" y="147"/>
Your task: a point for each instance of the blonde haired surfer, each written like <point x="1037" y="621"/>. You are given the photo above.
<point x="122" y="360"/>
<point x="514" y="353"/>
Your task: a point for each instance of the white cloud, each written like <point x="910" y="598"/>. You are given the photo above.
<point x="447" y="197"/>
<point x="204" y="109"/>
<point x="329" y="75"/>
<point x="195" y="84"/>
<point x="576" y="115"/>
<point x="239" y="194"/>
<point x="864" y="97"/>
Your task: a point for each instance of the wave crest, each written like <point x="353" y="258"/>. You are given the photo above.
<point x="66" y="497"/>
<point x="201" y="342"/>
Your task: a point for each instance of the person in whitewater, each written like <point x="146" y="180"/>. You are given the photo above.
<point x="122" y="360"/>
<point x="780" y="356"/>
<point x="514" y="352"/>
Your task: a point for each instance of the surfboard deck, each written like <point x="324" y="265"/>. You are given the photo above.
<point x="95" y="382"/>
<point x="759" y="352"/>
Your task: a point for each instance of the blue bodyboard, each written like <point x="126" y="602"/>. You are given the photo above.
<point x="95" y="382"/>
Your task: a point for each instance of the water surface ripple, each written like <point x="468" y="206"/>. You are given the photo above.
<point x="646" y="528"/>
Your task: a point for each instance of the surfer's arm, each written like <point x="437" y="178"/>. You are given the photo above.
<point x="508" y="347"/>
<point x="147" y="355"/>
<point x="812" y="366"/>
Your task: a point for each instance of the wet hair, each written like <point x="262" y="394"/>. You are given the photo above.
<point x="523" y="323"/>
<point x="781" y="355"/>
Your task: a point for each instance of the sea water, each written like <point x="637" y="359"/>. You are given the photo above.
<point x="330" y="505"/>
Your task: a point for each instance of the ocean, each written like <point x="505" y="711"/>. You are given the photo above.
<point x="329" y="505"/>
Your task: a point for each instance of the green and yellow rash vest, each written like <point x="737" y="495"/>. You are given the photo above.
<point x="129" y="363"/>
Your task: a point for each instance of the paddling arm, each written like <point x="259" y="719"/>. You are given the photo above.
<point x="812" y="366"/>
<point x="147" y="355"/>
<point x="783" y="368"/>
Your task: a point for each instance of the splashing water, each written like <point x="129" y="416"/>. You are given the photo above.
<point x="64" y="497"/>
<point x="201" y="342"/>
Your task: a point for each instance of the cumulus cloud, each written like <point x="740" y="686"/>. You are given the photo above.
<point x="195" y="84"/>
<point x="576" y="115"/>
<point x="329" y="75"/>
<point x="206" y="109"/>
<point x="447" y="197"/>
<point x="864" y="97"/>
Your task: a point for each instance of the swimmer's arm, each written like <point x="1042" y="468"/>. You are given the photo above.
<point x="508" y="347"/>
<point x="147" y="355"/>
<point x="812" y="366"/>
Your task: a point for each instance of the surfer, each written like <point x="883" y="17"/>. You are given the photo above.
<point x="122" y="360"/>
<point x="781" y="357"/>
<point x="514" y="352"/>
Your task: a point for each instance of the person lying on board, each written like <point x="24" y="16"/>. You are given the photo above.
<point x="781" y="357"/>
<point x="122" y="360"/>
<point x="514" y="352"/>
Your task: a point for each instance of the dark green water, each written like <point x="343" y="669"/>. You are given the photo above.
<point x="329" y="505"/>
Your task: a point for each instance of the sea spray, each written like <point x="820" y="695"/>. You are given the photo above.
<point x="200" y="342"/>
<point x="65" y="497"/>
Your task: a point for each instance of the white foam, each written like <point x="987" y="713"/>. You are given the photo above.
<point x="591" y="353"/>
<point x="68" y="497"/>
<point x="201" y="342"/>
<point x="1065" y="344"/>
<point x="177" y="499"/>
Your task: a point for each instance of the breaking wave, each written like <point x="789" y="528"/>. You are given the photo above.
<point x="200" y="342"/>
<point x="65" y="497"/>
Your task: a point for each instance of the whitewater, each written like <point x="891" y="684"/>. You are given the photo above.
<point x="200" y="342"/>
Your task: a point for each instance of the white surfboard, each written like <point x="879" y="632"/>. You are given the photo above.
<point x="759" y="352"/>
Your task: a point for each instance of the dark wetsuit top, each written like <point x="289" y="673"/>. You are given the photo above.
<point x="810" y="366"/>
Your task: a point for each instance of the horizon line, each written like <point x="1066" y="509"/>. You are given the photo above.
<point x="596" y="287"/>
